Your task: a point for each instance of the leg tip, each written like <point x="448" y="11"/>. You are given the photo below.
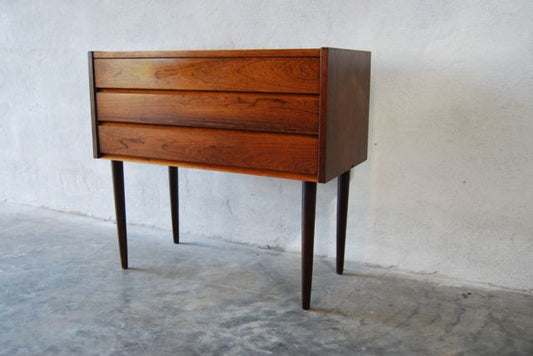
<point x="306" y="302"/>
<point x="340" y="267"/>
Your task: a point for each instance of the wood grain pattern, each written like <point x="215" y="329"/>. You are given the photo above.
<point x="302" y="52"/>
<point x="271" y="91"/>
<point x="278" y="75"/>
<point x="257" y="150"/>
<point x="346" y="112"/>
<point x="246" y="111"/>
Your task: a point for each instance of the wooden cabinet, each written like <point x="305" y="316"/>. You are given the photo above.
<point x="298" y="114"/>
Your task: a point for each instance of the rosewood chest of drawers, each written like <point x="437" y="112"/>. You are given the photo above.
<point x="298" y="114"/>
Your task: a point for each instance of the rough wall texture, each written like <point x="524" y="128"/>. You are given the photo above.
<point x="445" y="191"/>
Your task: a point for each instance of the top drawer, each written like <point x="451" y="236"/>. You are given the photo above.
<point x="277" y="75"/>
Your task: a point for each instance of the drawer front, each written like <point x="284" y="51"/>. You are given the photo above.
<point x="278" y="75"/>
<point x="245" y="111"/>
<point x="294" y="154"/>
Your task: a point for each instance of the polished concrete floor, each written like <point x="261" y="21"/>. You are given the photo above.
<point x="62" y="292"/>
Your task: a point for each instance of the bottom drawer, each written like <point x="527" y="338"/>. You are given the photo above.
<point x="294" y="154"/>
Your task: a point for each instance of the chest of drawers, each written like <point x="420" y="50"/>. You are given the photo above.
<point x="298" y="114"/>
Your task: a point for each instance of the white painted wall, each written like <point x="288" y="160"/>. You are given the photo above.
<point x="446" y="189"/>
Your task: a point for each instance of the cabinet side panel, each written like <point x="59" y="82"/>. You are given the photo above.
<point x="348" y="91"/>
<point x="94" y="125"/>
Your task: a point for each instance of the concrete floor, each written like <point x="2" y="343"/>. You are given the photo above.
<point x="62" y="292"/>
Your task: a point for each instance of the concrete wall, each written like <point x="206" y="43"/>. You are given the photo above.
<point x="446" y="190"/>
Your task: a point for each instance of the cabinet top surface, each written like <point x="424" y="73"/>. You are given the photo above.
<point x="299" y="52"/>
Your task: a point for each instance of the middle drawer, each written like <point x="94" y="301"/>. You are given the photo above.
<point x="287" y="113"/>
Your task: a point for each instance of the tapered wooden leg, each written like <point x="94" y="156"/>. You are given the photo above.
<point x="343" y="189"/>
<point x="174" y="202"/>
<point x="117" y="169"/>
<point x="308" y="237"/>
